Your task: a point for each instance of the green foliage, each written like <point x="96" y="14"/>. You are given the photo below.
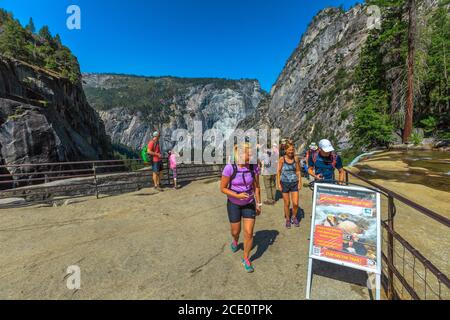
<point x="12" y="40"/>
<point x="416" y="138"/>
<point x="429" y="124"/>
<point x="45" y="34"/>
<point x="121" y="152"/>
<point x="435" y="88"/>
<point x="444" y="135"/>
<point x="383" y="61"/>
<point x="41" y="50"/>
<point x="372" y="127"/>
<point x="348" y="155"/>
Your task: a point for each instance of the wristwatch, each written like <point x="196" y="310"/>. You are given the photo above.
<point x="259" y="204"/>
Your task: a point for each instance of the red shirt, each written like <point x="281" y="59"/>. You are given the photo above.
<point x="153" y="148"/>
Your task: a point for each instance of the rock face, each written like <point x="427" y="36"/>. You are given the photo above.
<point x="216" y="103"/>
<point x="313" y="94"/>
<point x="45" y="118"/>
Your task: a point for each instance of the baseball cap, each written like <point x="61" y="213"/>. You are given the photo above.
<point x="326" y="145"/>
<point x="155" y="134"/>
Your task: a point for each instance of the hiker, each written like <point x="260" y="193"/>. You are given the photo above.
<point x="283" y="147"/>
<point x="269" y="171"/>
<point x="323" y="162"/>
<point x="173" y="167"/>
<point x="289" y="182"/>
<point x="154" y="150"/>
<point x="311" y="149"/>
<point x="240" y="182"/>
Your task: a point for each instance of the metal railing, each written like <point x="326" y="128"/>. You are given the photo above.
<point x="392" y="255"/>
<point x="44" y="182"/>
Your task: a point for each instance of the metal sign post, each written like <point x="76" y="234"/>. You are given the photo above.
<point x="346" y="230"/>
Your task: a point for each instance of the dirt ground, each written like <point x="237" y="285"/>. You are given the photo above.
<point x="168" y="245"/>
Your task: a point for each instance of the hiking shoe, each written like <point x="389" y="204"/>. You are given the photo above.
<point x="288" y="223"/>
<point x="296" y="222"/>
<point x="159" y="189"/>
<point x="234" y="246"/>
<point x="247" y="266"/>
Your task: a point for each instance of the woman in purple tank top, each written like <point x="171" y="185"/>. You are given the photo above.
<point x="240" y="182"/>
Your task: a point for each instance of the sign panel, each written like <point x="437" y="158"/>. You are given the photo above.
<point x="345" y="227"/>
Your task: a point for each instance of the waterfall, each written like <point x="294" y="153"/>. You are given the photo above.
<point x="358" y="158"/>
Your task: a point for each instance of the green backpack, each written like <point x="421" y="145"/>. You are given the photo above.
<point x="145" y="155"/>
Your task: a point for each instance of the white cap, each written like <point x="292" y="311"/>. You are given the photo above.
<point x="326" y="145"/>
<point x="313" y="146"/>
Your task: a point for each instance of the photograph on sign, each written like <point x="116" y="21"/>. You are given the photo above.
<point x="346" y="226"/>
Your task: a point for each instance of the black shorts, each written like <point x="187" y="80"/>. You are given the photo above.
<point x="236" y="212"/>
<point x="287" y="187"/>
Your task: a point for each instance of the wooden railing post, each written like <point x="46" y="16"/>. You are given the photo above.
<point x="390" y="248"/>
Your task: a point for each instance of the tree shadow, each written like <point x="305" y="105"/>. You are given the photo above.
<point x="262" y="240"/>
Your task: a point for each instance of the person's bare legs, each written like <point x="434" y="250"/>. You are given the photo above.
<point x="294" y="197"/>
<point x="249" y="225"/>
<point x="287" y="205"/>
<point x="155" y="179"/>
<point x="236" y="230"/>
<point x="159" y="178"/>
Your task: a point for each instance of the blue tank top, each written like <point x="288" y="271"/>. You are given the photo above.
<point x="288" y="172"/>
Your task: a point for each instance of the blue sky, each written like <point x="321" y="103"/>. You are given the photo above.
<point x="187" y="38"/>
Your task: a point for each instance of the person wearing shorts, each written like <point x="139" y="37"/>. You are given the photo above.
<point x="240" y="182"/>
<point x="154" y="150"/>
<point x="289" y="182"/>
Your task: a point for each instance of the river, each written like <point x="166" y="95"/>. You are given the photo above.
<point x="422" y="176"/>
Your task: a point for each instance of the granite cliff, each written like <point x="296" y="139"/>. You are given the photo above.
<point x="133" y="107"/>
<point x="46" y="118"/>
<point x="313" y="95"/>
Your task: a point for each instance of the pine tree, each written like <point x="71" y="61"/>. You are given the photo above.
<point x="30" y="26"/>
<point x="45" y="34"/>
<point x="57" y="40"/>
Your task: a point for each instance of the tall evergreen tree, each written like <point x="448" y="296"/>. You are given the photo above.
<point x="45" y="34"/>
<point x="30" y="26"/>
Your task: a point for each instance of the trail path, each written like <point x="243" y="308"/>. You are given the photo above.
<point x="168" y="245"/>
